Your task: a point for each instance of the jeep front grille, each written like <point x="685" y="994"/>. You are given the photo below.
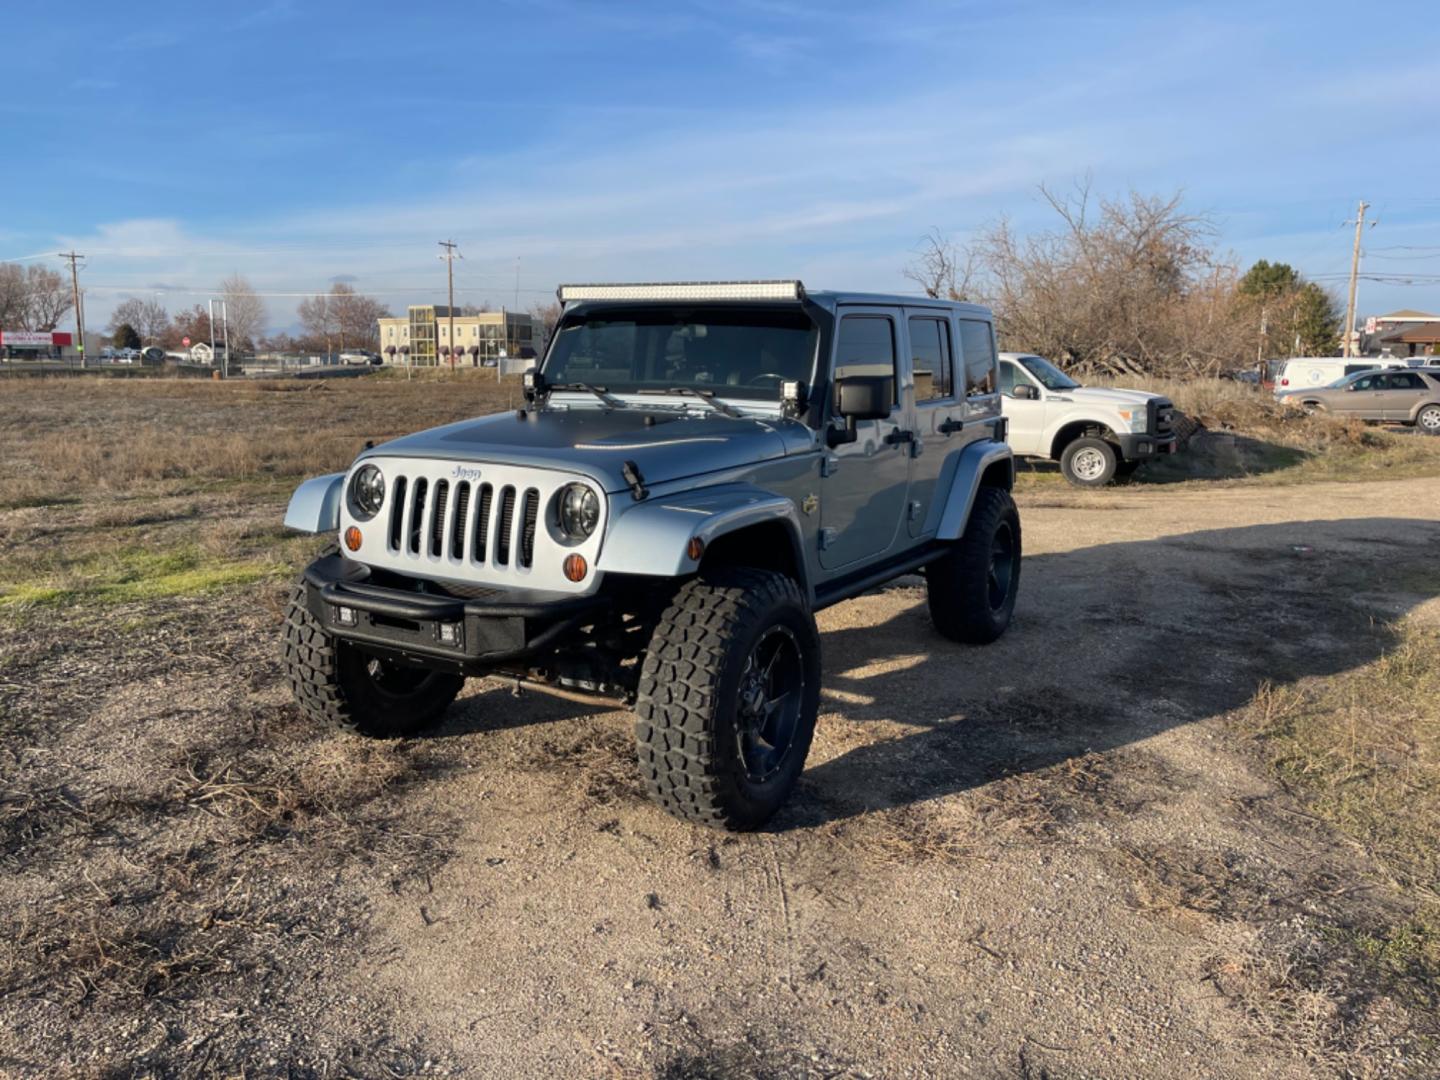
<point x="472" y="523"/>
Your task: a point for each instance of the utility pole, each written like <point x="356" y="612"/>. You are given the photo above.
<point x="450" y="256"/>
<point x="1354" y="277"/>
<point x="75" y="287"/>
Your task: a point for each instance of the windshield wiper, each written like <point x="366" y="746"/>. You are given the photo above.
<point x="598" y="391"/>
<point x="707" y="396"/>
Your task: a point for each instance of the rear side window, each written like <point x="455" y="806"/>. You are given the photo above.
<point x="865" y="345"/>
<point x="930" y="358"/>
<point x="977" y="348"/>
<point x="1433" y="376"/>
<point x="1403" y="380"/>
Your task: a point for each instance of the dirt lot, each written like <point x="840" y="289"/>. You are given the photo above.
<point x="1097" y="848"/>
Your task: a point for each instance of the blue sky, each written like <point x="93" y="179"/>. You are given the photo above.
<point x="301" y="142"/>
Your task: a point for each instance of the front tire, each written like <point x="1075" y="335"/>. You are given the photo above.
<point x="972" y="588"/>
<point x="1427" y="420"/>
<point x="1089" y="462"/>
<point x="337" y="684"/>
<point x="729" y="691"/>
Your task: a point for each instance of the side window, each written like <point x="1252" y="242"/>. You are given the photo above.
<point x="1369" y="382"/>
<point x="1009" y="376"/>
<point x="977" y="349"/>
<point x="865" y="345"/>
<point x="930" y="358"/>
<point x="1406" y="380"/>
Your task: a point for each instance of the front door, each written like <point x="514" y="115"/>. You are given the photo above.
<point x="863" y="493"/>
<point x="1025" y="417"/>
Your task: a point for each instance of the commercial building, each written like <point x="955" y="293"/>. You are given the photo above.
<point x="422" y="336"/>
<point x="37" y="345"/>
<point x="1407" y="333"/>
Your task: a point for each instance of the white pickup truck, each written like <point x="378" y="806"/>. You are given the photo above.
<point x="1096" y="434"/>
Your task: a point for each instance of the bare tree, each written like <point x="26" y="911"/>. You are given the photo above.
<point x="342" y="318"/>
<point x="48" y="296"/>
<point x="245" y="313"/>
<point x="546" y="317"/>
<point x="1127" y="286"/>
<point x="13" y="296"/>
<point x="940" y="269"/>
<point x="148" y="317"/>
<point x="318" y="320"/>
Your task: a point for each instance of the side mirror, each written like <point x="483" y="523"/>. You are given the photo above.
<point x="864" y="397"/>
<point x="1024" y="392"/>
<point x="860" y="397"/>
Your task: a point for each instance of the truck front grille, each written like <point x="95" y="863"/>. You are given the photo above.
<point x="1162" y="418"/>
<point x="476" y="524"/>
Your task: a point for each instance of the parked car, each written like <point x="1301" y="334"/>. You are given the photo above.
<point x="698" y="468"/>
<point x="1406" y="396"/>
<point x="1095" y="433"/>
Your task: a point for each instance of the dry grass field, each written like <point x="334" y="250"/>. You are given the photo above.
<point x="1185" y="817"/>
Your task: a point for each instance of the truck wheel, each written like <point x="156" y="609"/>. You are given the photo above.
<point x="972" y="587"/>
<point x="1428" y="420"/>
<point x="337" y="684"/>
<point x="728" y="694"/>
<point x="1088" y="462"/>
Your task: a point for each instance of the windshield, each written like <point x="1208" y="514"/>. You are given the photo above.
<point x="1050" y="376"/>
<point x="741" y="352"/>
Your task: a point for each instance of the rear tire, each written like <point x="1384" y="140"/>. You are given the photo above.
<point x="729" y="691"/>
<point x="337" y="684"/>
<point x="972" y="588"/>
<point x="1089" y="462"/>
<point x="1427" y="420"/>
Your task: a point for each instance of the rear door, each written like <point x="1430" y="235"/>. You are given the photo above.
<point x="863" y="491"/>
<point x="940" y="429"/>
<point x="1399" y="393"/>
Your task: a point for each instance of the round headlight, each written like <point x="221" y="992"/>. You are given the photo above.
<point x="579" y="511"/>
<point x="367" y="492"/>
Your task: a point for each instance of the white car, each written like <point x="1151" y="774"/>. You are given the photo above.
<point x="1095" y="433"/>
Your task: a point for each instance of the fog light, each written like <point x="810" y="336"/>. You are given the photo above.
<point x="352" y="538"/>
<point x="346" y="616"/>
<point x="575" y="567"/>
<point x="452" y="633"/>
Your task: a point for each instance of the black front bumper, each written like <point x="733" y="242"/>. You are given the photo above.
<point x="1143" y="447"/>
<point x="391" y="617"/>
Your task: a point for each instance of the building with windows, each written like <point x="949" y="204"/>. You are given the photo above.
<point x="422" y="336"/>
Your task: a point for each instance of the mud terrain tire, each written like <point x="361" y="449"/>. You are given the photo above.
<point x="971" y="589"/>
<point x="337" y="684"/>
<point x="729" y="690"/>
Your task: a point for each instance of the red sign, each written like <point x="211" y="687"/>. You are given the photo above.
<point x="185" y="342"/>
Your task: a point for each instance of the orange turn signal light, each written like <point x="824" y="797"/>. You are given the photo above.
<point x="352" y="538"/>
<point x="695" y="548"/>
<point x="575" y="567"/>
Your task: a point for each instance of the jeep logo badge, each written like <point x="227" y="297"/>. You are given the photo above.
<point x="462" y="472"/>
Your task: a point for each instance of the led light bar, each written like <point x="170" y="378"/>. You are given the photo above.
<point x="685" y="290"/>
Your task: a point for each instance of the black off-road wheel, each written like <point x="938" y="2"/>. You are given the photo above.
<point x="972" y="588"/>
<point x="336" y="683"/>
<point x="1089" y="462"/>
<point x="729" y="690"/>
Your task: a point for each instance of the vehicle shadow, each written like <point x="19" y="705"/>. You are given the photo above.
<point x="1110" y="645"/>
<point x="1209" y="455"/>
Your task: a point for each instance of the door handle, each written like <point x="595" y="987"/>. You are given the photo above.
<point x="899" y="436"/>
<point x="949" y="427"/>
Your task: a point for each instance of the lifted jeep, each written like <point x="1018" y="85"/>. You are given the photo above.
<point x="698" y="469"/>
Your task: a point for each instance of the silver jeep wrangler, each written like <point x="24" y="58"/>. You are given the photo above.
<point x="698" y="469"/>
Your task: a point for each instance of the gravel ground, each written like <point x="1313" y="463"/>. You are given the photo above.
<point x="1050" y="857"/>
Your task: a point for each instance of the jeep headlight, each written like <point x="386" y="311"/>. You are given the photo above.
<point x="1138" y="417"/>
<point x="579" y="510"/>
<point x="367" y="492"/>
